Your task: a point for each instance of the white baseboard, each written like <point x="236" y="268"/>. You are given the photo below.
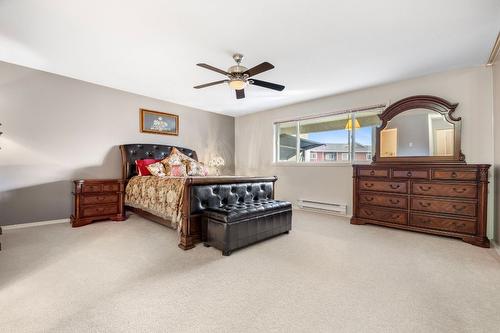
<point x="33" y="224"/>
<point x="320" y="211"/>
<point x="496" y="246"/>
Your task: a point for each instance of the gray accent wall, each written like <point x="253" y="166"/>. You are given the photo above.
<point x="57" y="129"/>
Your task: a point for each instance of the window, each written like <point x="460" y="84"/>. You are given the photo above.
<point x="327" y="138"/>
<point x="330" y="156"/>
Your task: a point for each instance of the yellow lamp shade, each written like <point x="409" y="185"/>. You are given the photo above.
<point x="348" y="126"/>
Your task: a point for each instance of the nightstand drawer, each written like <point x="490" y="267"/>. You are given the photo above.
<point x="99" y="210"/>
<point x="98" y="199"/>
<point x="91" y="188"/>
<point x="112" y="187"/>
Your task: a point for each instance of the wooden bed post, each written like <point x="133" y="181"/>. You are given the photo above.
<point x="186" y="239"/>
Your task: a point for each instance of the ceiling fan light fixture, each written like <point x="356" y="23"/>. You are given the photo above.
<point x="237" y="84"/>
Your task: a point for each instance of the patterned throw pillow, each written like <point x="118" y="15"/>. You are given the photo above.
<point x="196" y="168"/>
<point x="175" y="159"/>
<point x="157" y="169"/>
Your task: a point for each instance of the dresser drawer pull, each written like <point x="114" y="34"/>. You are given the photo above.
<point x="372" y="173"/>
<point x="394" y="201"/>
<point x="462" y="190"/>
<point x="453" y="174"/>
<point x="424" y="204"/>
<point x="395" y="217"/>
<point x="367" y="212"/>
<point x="369" y="199"/>
<point x="425" y="189"/>
<point x="369" y="185"/>
<point x="394" y="187"/>
<point x="409" y="174"/>
<point x="459" y="209"/>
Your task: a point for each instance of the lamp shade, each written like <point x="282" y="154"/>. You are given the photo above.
<point x="348" y="125"/>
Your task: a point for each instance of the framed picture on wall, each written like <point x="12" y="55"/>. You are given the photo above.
<point x="159" y="122"/>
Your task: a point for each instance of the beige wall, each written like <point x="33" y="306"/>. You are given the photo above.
<point x="496" y="104"/>
<point x="57" y="129"/>
<point x="471" y="88"/>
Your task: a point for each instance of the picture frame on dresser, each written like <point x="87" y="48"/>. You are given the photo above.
<point x="436" y="193"/>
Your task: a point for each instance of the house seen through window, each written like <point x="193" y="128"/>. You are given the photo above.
<point x="346" y="137"/>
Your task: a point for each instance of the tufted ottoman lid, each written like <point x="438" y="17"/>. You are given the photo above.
<point x="245" y="210"/>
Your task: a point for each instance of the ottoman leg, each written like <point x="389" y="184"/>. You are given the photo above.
<point x="226" y="253"/>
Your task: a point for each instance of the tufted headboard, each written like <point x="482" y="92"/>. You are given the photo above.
<point x="140" y="151"/>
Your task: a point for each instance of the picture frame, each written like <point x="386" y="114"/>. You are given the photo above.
<point x="155" y="122"/>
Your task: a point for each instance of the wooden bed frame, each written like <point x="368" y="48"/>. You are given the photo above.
<point x="190" y="234"/>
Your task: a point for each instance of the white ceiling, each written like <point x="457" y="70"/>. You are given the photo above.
<point x="319" y="47"/>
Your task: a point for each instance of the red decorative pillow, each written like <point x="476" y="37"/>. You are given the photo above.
<point x="141" y="165"/>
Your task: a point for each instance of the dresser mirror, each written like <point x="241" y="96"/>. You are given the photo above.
<point x="419" y="129"/>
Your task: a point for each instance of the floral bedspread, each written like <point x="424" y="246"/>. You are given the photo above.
<point x="161" y="196"/>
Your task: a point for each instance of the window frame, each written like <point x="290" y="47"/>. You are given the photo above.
<point x="351" y="138"/>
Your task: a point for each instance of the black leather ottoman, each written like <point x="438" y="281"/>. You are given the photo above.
<point x="234" y="226"/>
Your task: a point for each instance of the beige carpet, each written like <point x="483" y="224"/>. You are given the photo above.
<point x="325" y="276"/>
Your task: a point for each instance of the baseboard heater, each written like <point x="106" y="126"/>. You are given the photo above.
<point x="323" y="207"/>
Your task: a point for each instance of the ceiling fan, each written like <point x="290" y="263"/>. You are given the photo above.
<point x="238" y="77"/>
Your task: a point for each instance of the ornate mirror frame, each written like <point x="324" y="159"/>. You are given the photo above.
<point x="428" y="102"/>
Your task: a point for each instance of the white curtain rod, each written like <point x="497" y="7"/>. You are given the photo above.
<point x="333" y="113"/>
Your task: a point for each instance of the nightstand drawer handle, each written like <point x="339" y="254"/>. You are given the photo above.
<point x="369" y="185"/>
<point x="367" y="212"/>
<point x="394" y="201"/>
<point x="369" y="199"/>
<point x="409" y="174"/>
<point x="459" y="209"/>
<point x="459" y="190"/>
<point x="425" y="189"/>
<point x="395" y="217"/>
<point x="372" y="173"/>
<point x="394" y="187"/>
<point x="453" y="174"/>
<point x="424" y="204"/>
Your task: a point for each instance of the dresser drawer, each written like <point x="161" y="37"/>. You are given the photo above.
<point x="383" y="200"/>
<point x="99" y="210"/>
<point x="98" y="199"/>
<point x="410" y="173"/>
<point x="444" y="206"/>
<point x="382" y="186"/>
<point x="454" y="174"/>
<point x="382" y="214"/>
<point x="443" y="223"/>
<point x="447" y="190"/>
<point x="373" y="172"/>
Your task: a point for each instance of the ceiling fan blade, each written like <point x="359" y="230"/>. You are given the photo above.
<point x="209" y="84"/>
<point x="240" y="94"/>
<point x="212" y="68"/>
<point x="266" y="84"/>
<point x="265" y="66"/>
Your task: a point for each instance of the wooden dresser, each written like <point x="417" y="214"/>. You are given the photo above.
<point x="98" y="199"/>
<point x="441" y="199"/>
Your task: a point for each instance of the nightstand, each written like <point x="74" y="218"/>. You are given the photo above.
<point x="98" y="199"/>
